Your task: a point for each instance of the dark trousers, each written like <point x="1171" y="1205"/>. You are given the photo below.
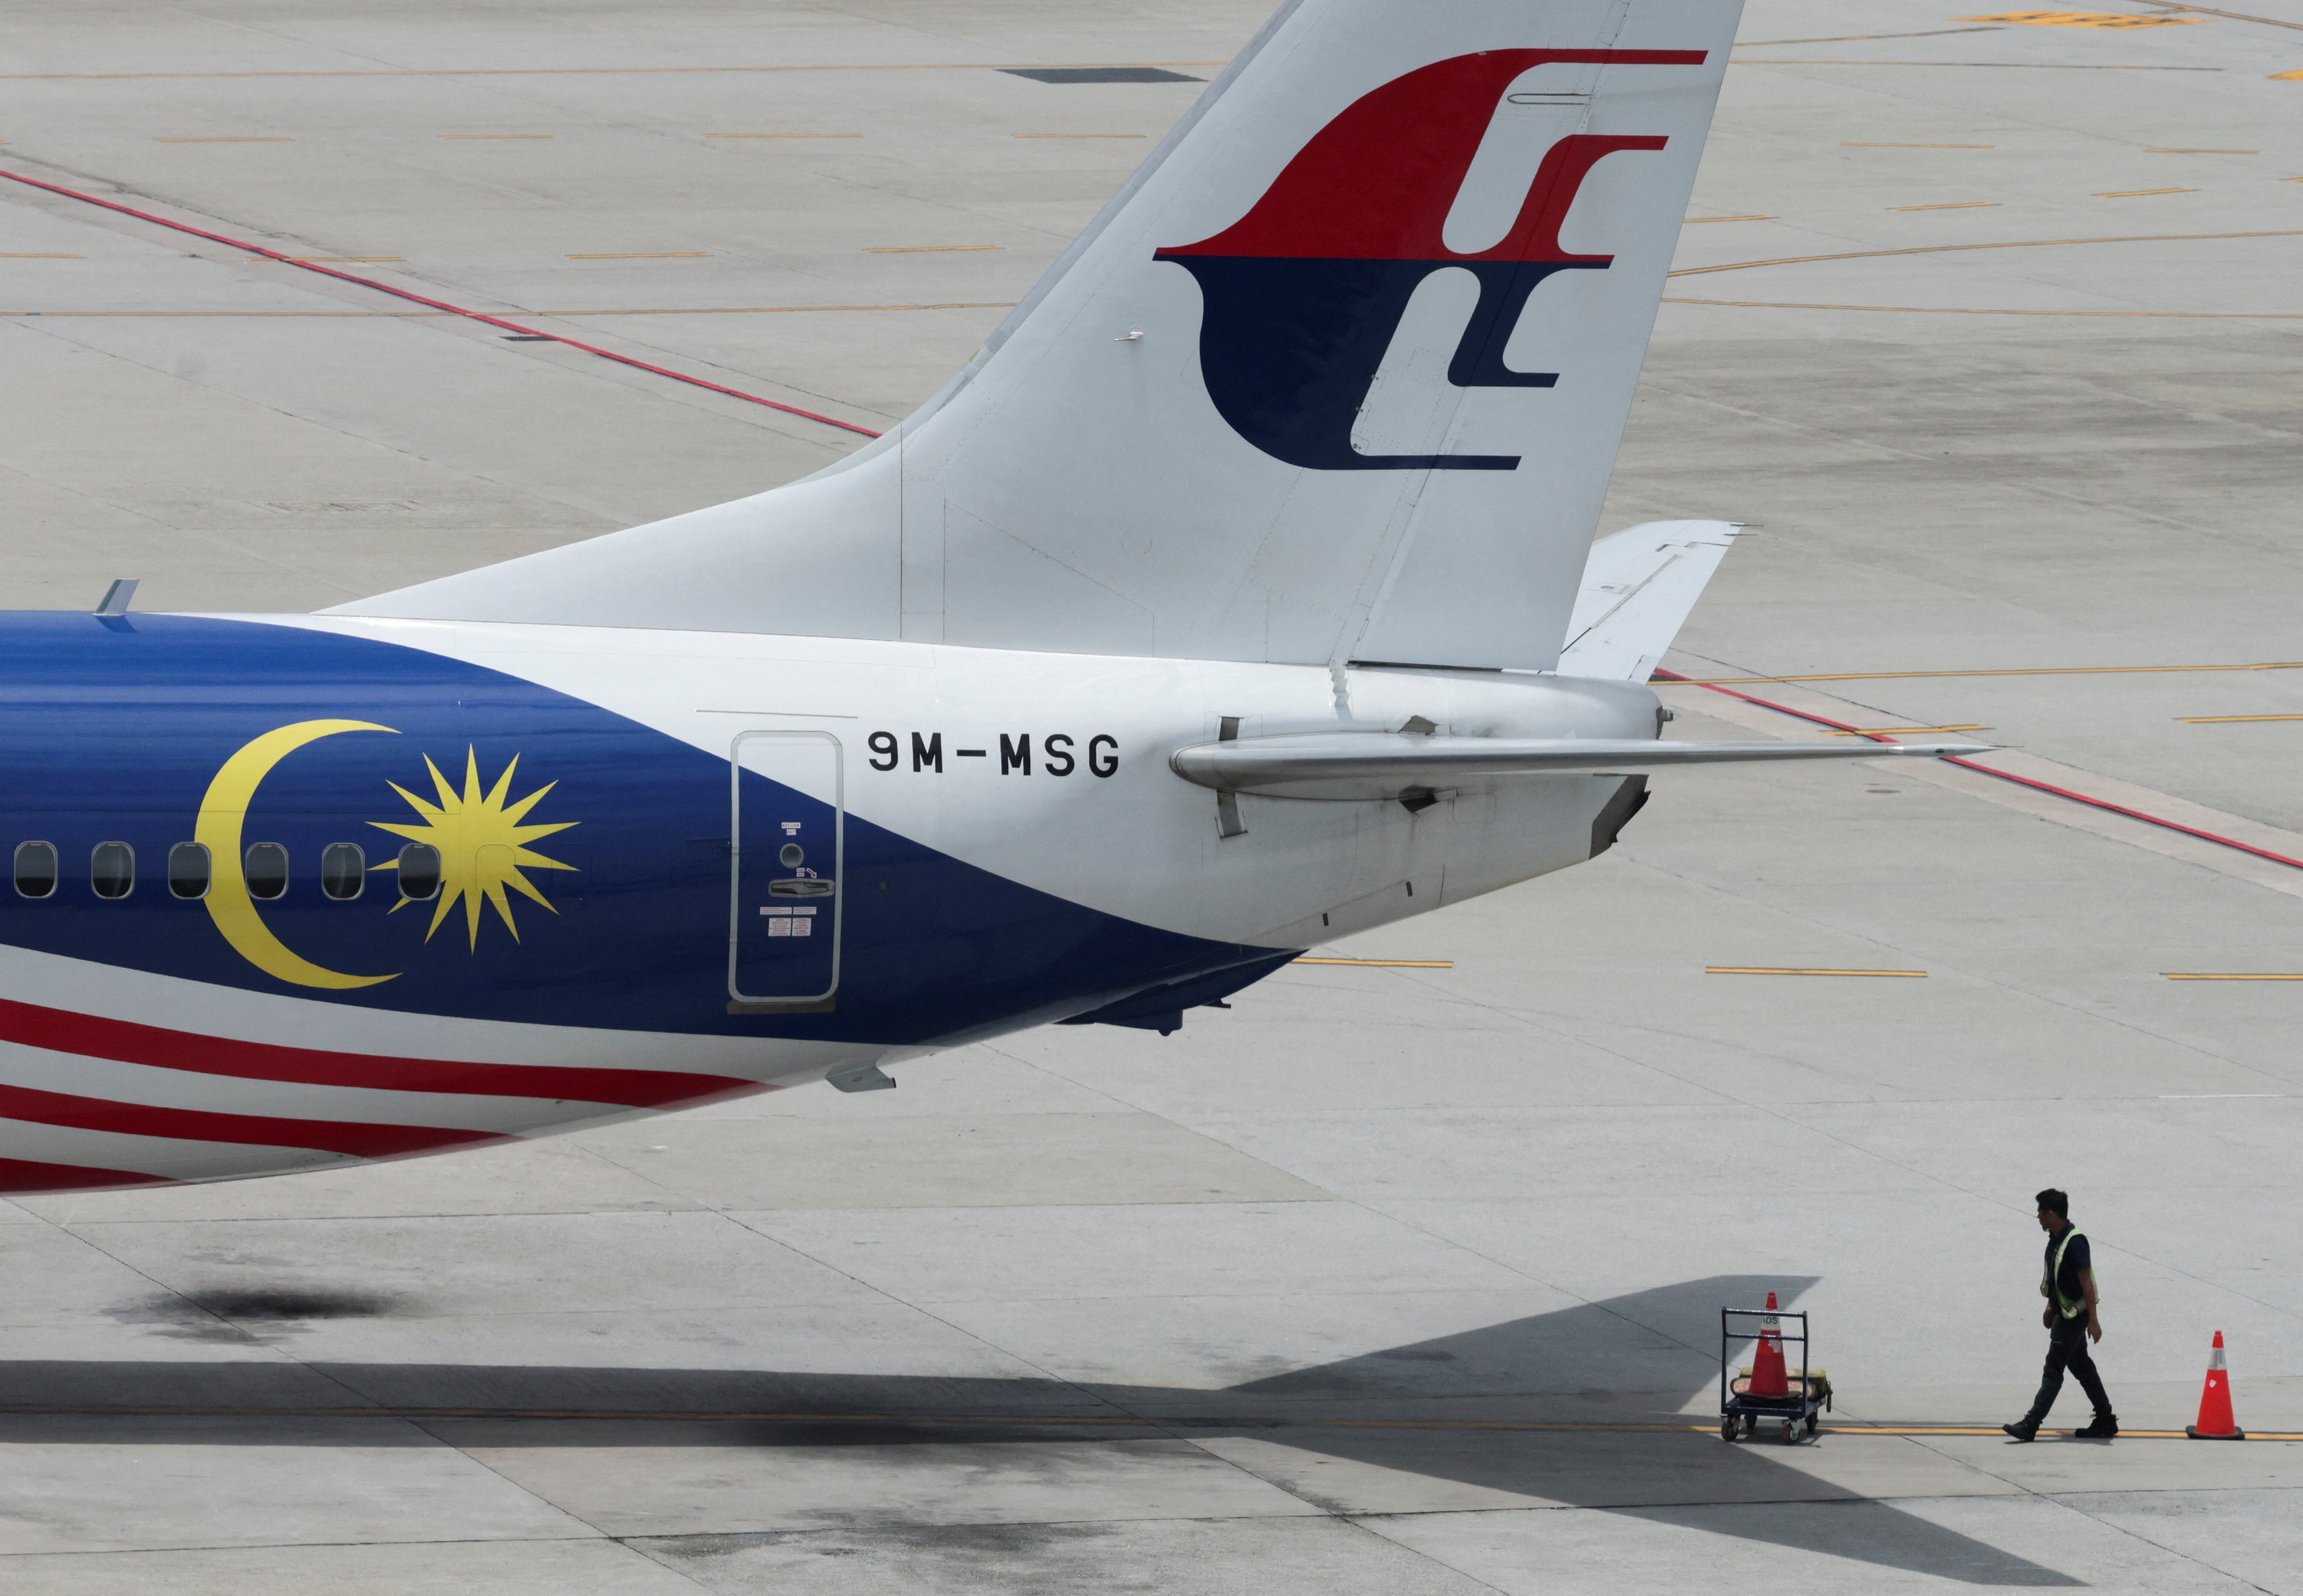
<point x="2067" y="1348"/>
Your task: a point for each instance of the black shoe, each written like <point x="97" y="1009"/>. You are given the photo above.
<point x="2021" y="1429"/>
<point x="2103" y="1428"/>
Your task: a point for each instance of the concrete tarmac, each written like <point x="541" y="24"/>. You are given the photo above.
<point x="1393" y="1279"/>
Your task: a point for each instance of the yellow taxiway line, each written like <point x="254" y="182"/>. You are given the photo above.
<point x="1739" y="969"/>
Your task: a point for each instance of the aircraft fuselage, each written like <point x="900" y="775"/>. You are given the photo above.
<point x="292" y="891"/>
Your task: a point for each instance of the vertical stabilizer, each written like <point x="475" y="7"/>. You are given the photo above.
<point x="1340" y="374"/>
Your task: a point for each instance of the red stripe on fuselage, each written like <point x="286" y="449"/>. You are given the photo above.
<point x="199" y="1125"/>
<point x="21" y="1176"/>
<point x="60" y="1030"/>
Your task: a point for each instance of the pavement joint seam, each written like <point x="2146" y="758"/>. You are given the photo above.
<point x="1362" y="1522"/>
<point x="2071" y="1006"/>
<point x="1991" y="311"/>
<point x="2106" y="509"/>
<point x="927" y="1310"/>
<point x="225" y="1548"/>
<point x="306" y="265"/>
<point x="2098" y="806"/>
<point x="560" y="72"/>
<point x="529" y="1491"/>
<point x="321" y="422"/>
<point x="2137" y="238"/>
<point x="2063" y="1500"/>
<point x="1452" y="1243"/>
<point x="1775" y="1112"/>
<point x="1120" y="1419"/>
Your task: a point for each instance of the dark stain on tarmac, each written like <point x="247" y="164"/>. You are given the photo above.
<point x="239" y="1315"/>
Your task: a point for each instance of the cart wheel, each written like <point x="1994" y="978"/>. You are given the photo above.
<point x="1727" y="1429"/>
<point x="1791" y="1432"/>
<point x="1751" y="1423"/>
<point x="1814" y="1425"/>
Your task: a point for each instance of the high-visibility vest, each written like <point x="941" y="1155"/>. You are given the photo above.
<point x="2051" y="1282"/>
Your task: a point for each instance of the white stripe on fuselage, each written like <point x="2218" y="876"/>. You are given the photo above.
<point x="171" y="1158"/>
<point x="1141" y="844"/>
<point x="173" y="1004"/>
<point x="151" y="1086"/>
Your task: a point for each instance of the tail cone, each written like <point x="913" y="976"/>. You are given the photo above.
<point x="1767" y="1377"/>
<point x="2216" y="1421"/>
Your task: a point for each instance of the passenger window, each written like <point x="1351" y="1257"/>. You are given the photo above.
<point x="36" y="869"/>
<point x="266" y="866"/>
<point x="343" y="871"/>
<point x="111" y="870"/>
<point x="188" y="870"/>
<point x="419" y="871"/>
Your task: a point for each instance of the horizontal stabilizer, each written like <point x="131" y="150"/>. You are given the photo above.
<point x="1639" y="587"/>
<point x="1366" y="766"/>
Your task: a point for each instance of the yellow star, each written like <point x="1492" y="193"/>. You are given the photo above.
<point x="482" y="843"/>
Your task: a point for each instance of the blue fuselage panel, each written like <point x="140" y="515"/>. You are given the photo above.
<point x="121" y="732"/>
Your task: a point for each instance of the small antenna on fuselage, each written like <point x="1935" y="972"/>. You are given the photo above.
<point x="118" y="596"/>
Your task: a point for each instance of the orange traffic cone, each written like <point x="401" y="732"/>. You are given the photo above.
<point x="2216" y="1421"/>
<point x="1767" y="1377"/>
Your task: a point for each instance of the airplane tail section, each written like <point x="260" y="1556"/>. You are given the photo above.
<point x="1339" y="375"/>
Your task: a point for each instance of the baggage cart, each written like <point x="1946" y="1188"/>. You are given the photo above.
<point x="1741" y="1414"/>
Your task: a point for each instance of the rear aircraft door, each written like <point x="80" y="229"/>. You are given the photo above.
<point x="788" y="834"/>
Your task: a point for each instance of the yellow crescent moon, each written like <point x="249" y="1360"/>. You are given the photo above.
<point x="222" y="811"/>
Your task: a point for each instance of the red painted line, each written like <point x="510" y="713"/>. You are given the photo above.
<point x="60" y="1030"/>
<point x="21" y="1176"/>
<point x="31" y="1104"/>
<point x="2172" y="825"/>
<point x="417" y="298"/>
<point x="1985" y="769"/>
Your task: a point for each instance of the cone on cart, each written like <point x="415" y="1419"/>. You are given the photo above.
<point x="2216" y="1421"/>
<point x="1768" y="1376"/>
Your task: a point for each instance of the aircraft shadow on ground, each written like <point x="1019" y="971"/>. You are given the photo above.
<point x="1517" y="1370"/>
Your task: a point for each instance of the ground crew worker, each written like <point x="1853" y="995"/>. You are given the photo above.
<point x="2068" y="1283"/>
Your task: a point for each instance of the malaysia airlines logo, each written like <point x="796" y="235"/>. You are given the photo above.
<point x="1302" y="295"/>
